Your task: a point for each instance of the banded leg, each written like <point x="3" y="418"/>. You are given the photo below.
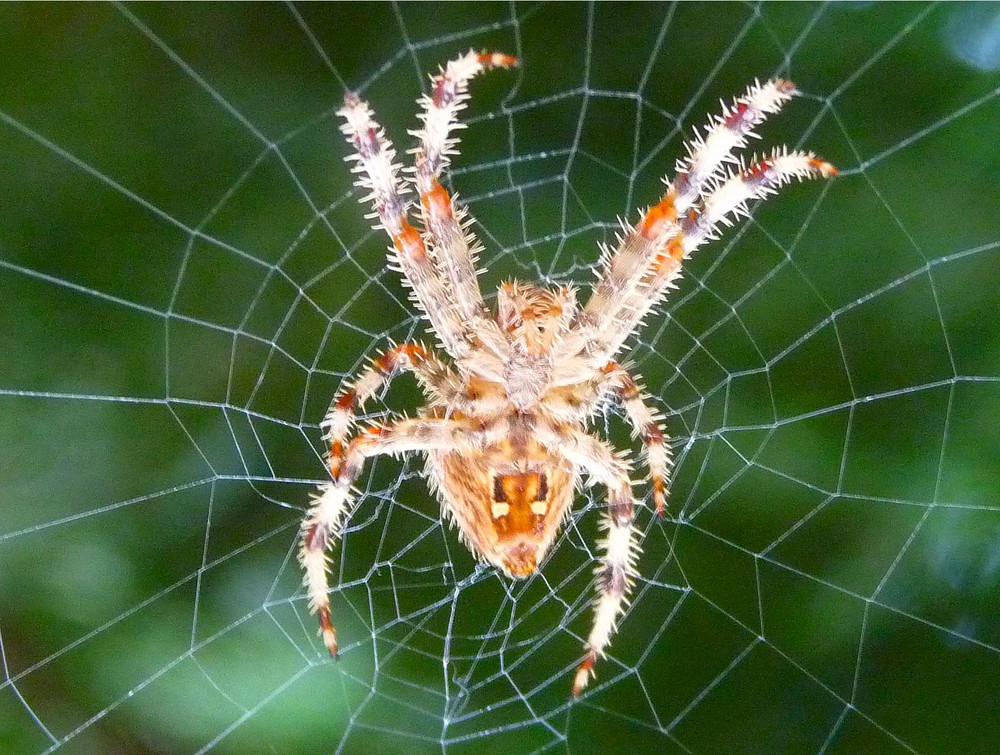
<point x="646" y="424"/>
<point x="322" y="524"/>
<point x="724" y="135"/>
<point x="623" y="267"/>
<point x="455" y="249"/>
<point x="378" y="174"/>
<point x="437" y="380"/>
<point x="631" y="282"/>
<point x="722" y="207"/>
<point x="450" y="92"/>
<point x="616" y="572"/>
<point x="637" y="246"/>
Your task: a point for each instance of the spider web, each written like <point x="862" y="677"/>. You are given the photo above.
<point x="188" y="278"/>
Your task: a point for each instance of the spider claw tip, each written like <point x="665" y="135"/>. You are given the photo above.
<point x="583" y="674"/>
<point x="331" y="646"/>
<point x="827" y="170"/>
<point x="328" y="632"/>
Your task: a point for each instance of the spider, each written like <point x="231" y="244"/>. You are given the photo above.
<point x="504" y="426"/>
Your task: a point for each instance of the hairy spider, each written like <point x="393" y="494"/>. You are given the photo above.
<point x="503" y="428"/>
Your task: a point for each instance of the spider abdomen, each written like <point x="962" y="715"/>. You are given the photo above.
<point x="508" y="500"/>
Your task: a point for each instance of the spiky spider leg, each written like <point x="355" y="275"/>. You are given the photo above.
<point x="374" y="156"/>
<point x="724" y="135"/>
<point x="625" y="266"/>
<point x="436" y="378"/>
<point x="454" y="247"/>
<point x="727" y="202"/>
<point x="631" y="282"/>
<point x="449" y="95"/>
<point x="616" y="572"/>
<point x="322" y="524"/>
<point x="647" y="425"/>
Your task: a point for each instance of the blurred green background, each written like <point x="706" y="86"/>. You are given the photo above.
<point x="187" y="277"/>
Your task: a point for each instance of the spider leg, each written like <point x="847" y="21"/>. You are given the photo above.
<point x="646" y="424"/>
<point x="449" y="94"/>
<point x="727" y="202"/>
<point x="378" y="174"/>
<point x="724" y="135"/>
<point x="616" y="572"/>
<point x="624" y="267"/>
<point x="629" y="284"/>
<point x="322" y="524"/>
<point x="436" y="378"/>
<point x="454" y="247"/>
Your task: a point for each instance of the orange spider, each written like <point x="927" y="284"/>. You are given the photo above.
<point x="504" y="426"/>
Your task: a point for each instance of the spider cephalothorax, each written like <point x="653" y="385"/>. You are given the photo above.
<point x="504" y="426"/>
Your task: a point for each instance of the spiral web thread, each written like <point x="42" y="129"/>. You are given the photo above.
<point x="190" y="278"/>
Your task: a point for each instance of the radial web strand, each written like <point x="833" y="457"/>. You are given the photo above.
<point x="189" y="279"/>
